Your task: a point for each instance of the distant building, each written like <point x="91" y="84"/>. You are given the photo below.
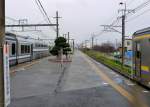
<point x="128" y="44"/>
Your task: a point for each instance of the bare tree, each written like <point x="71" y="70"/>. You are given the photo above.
<point x="105" y="47"/>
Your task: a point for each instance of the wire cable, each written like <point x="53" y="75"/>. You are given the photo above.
<point x="44" y="13"/>
<point x="138" y="15"/>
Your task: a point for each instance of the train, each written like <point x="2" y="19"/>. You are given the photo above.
<point x="23" y="48"/>
<point x="141" y="56"/>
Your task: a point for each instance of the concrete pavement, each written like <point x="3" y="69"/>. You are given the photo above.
<point x="76" y="84"/>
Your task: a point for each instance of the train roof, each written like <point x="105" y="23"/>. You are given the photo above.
<point x="25" y="37"/>
<point x="10" y="36"/>
<point x="142" y="32"/>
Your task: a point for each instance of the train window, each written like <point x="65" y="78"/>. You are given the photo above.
<point x="25" y="49"/>
<point x="13" y="47"/>
<point x="138" y="52"/>
<point x="138" y="46"/>
<point x="22" y="49"/>
<point x="28" y="49"/>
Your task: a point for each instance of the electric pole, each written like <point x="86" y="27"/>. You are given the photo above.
<point x="64" y="35"/>
<point x="68" y="37"/>
<point x="124" y="11"/>
<point x="73" y="46"/>
<point x="57" y="24"/>
<point x="92" y="42"/>
<point x="116" y="43"/>
<point x="123" y="38"/>
<point x="112" y="27"/>
<point x="2" y="39"/>
<point x="123" y="30"/>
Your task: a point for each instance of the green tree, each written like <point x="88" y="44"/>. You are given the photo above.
<point x="60" y="43"/>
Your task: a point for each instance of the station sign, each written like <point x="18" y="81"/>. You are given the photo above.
<point x="6" y="74"/>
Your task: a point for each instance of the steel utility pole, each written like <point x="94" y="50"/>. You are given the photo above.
<point x="124" y="11"/>
<point x="73" y="46"/>
<point x="92" y="42"/>
<point x="2" y="37"/>
<point x="123" y="29"/>
<point x="64" y="35"/>
<point x="123" y="38"/>
<point x="111" y="28"/>
<point x="68" y="36"/>
<point x="57" y="23"/>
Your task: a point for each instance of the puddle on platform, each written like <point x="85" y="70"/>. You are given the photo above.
<point x="119" y="80"/>
<point x="105" y="83"/>
<point x="20" y="69"/>
<point x="129" y="83"/>
<point x="145" y="91"/>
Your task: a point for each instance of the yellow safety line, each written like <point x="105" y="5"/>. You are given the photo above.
<point x="35" y="62"/>
<point x="24" y="66"/>
<point x="117" y="87"/>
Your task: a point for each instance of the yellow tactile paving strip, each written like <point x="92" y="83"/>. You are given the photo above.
<point x="131" y="98"/>
<point x="25" y="65"/>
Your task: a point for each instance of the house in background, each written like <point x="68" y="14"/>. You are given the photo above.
<point x="128" y="45"/>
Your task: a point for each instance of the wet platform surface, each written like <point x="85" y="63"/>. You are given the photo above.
<point x="75" y="84"/>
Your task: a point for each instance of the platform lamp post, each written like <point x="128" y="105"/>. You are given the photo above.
<point x="123" y="29"/>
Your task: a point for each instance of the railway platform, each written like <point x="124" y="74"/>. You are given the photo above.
<point x="80" y="83"/>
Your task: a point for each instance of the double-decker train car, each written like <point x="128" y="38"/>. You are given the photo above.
<point x="141" y="53"/>
<point x="23" y="49"/>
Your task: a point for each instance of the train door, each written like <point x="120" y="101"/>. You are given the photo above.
<point x="138" y="60"/>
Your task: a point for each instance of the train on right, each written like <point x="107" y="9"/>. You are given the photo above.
<point x="141" y="56"/>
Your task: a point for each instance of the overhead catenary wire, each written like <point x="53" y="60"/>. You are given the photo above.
<point x="44" y="13"/>
<point x="40" y="10"/>
<point x="11" y="19"/>
<point x="138" y="8"/>
<point x="142" y="5"/>
<point x="133" y="18"/>
<point x="131" y="2"/>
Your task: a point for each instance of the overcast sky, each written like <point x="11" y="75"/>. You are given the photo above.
<point x="80" y="17"/>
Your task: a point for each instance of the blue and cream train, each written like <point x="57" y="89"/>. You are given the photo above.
<point x="23" y="49"/>
<point x="141" y="56"/>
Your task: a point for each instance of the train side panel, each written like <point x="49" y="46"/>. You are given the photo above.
<point x="141" y="47"/>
